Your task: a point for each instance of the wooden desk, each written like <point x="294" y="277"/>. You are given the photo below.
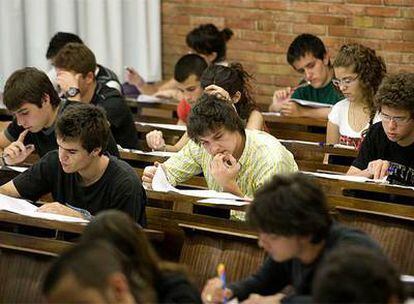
<point x="299" y="128"/>
<point x="165" y="112"/>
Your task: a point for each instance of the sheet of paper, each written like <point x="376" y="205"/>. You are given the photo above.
<point x="153" y="153"/>
<point x="299" y="142"/>
<point x="23" y="207"/>
<point x="161" y="183"/>
<point x="16" y="205"/>
<point x="209" y="194"/>
<point x="349" y="178"/>
<point x="227" y="202"/>
<point x="164" y="126"/>
<point x="150" y="99"/>
<point x="271" y="114"/>
<point x="341" y="146"/>
<point x="18" y="169"/>
<point x="312" y="104"/>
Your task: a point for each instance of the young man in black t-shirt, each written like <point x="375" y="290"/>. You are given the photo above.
<point x="296" y="230"/>
<point x="390" y="141"/>
<point x="30" y="96"/>
<point x="75" y="65"/>
<point x="81" y="178"/>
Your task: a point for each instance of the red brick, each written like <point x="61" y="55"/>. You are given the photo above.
<point x="326" y="19"/>
<point x="273" y="5"/>
<point x="364" y="21"/>
<point x="309" y="28"/>
<point x="254" y="46"/>
<point x="257" y="36"/>
<point x="273" y="25"/>
<point x="309" y="7"/>
<point x="348" y="9"/>
<point x="342" y="31"/>
<point x="273" y="69"/>
<point x="399" y="2"/>
<point x="256" y="57"/>
<point x="408" y="36"/>
<point x="238" y="23"/>
<point x="399" y="46"/>
<point x="383" y="11"/>
<point x="372" y="2"/>
<point x="381" y="34"/>
<point x="398" y="23"/>
<point x="408" y="13"/>
<point x="197" y="20"/>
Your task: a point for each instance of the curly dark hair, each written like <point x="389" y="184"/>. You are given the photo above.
<point x="209" y="115"/>
<point x="397" y="91"/>
<point x="233" y="79"/>
<point x="369" y="67"/>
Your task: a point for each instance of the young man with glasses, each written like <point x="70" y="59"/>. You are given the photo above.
<point x="308" y="56"/>
<point x="390" y="143"/>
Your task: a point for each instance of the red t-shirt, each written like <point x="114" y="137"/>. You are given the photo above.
<point x="183" y="110"/>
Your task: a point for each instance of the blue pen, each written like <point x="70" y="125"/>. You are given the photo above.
<point x="222" y="275"/>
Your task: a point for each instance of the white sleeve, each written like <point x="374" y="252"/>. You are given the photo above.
<point x="334" y="115"/>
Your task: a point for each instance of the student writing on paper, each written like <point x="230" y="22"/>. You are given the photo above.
<point x="389" y="144"/>
<point x="295" y="228"/>
<point x="75" y="64"/>
<point x="79" y="174"/>
<point x="205" y="40"/>
<point x="31" y="97"/>
<point x="103" y="74"/>
<point x="358" y="74"/>
<point x="187" y="73"/>
<point x="308" y="56"/>
<point x="170" y="282"/>
<point x="231" y="158"/>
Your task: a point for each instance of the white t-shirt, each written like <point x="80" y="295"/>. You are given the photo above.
<point x="339" y="117"/>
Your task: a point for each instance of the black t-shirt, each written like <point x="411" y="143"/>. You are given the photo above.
<point x="118" y="188"/>
<point x="272" y="276"/>
<point x="376" y="145"/>
<point x="45" y="140"/>
<point x="119" y="115"/>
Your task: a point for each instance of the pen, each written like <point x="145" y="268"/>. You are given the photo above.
<point x="221" y="272"/>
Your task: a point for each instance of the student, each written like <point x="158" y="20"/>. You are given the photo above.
<point x="30" y="96"/>
<point x="103" y="74"/>
<point x="295" y="228"/>
<point x="231" y="158"/>
<point x="187" y="73"/>
<point x="81" y="178"/>
<point x="168" y="280"/>
<point x="357" y="275"/>
<point x="359" y="72"/>
<point x="205" y="40"/>
<point x="389" y="143"/>
<point x="94" y="272"/>
<point x="308" y="56"/>
<point x="75" y="65"/>
<point x="231" y="84"/>
<point x="235" y="84"/>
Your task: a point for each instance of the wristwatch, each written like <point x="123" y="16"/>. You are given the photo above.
<point x="72" y="92"/>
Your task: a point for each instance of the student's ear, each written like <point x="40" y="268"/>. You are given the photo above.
<point x="236" y="97"/>
<point x="326" y="58"/>
<point x="96" y="152"/>
<point x="89" y="77"/>
<point x="45" y="99"/>
<point x="119" y="288"/>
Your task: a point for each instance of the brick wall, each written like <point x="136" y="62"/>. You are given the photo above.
<point x="263" y="31"/>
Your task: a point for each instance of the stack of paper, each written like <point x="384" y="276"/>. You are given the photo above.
<point x="163" y="126"/>
<point x="160" y="183"/>
<point x="23" y="207"/>
<point x="312" y="104"/>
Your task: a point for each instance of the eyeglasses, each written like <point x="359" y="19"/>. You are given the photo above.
<point x="344" y="82"/>
<point x="397" y="119"/>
